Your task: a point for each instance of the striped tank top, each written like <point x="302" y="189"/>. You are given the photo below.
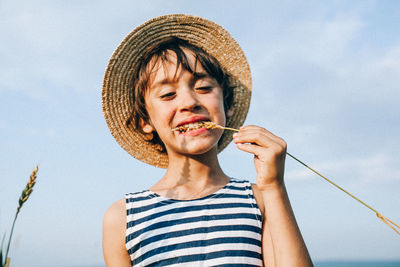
<point x="222" y="229"/>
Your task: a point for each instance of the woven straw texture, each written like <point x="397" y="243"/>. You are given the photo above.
<point x="117" y="93"/>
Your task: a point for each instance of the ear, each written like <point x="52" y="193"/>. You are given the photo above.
<point x="229" y="112"/>
<point x="146" y="127"/>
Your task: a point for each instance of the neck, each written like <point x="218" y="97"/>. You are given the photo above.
<point x="193" y="176"/>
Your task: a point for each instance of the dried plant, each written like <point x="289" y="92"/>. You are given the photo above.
<point x="213" y="125"/>
<point x="22" y="199"/>
<point x="204" y="124"/>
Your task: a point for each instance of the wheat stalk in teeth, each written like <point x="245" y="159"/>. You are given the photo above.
<point x="205" y="124"/>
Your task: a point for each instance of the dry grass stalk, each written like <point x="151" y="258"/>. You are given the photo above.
<point x="213" y="125"/>
<point x="22" y="199"/>
<point x="205" y="124"/>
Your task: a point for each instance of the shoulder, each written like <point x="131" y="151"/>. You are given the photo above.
<point x="115" y="214"/>
<point x="114" y="221"/>
<point x="114" y="228"/>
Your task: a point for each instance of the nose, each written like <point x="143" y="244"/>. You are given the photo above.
<point x="188" y="100"/>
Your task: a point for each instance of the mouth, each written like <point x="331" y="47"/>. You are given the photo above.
<point x="194" y="126"/>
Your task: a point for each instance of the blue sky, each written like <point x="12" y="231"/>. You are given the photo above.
<point x="326" y="78"/>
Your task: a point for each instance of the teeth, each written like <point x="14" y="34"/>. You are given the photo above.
<point x="194" y="126"/>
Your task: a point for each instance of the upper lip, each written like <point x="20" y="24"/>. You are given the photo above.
<point x="192" y="120"/>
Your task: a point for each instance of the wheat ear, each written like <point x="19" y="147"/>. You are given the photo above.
<point x="28" y="189"/>
<point x="22" y="199"/>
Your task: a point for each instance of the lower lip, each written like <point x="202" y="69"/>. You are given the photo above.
<point x="195" y="132"/>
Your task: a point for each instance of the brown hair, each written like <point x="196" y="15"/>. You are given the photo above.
<point x="159" y="51"/>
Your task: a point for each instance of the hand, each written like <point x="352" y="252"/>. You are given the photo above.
<point x="269" y="153"/>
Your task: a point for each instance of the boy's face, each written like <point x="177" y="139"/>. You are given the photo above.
<point x="176" y="97"/>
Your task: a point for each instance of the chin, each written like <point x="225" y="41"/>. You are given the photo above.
<point x="199" y="149"/>
<point x="204" y="151"/>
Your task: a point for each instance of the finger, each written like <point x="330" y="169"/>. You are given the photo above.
<point x="255" y="129"/>
<point x="253" y="149"/>
<point x="252" y="129"/>
<point x="260" y="139"/>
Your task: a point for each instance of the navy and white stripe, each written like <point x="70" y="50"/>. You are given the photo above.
<point x="223" y="228"/>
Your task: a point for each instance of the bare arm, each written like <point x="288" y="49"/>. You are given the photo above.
<point x="283" y="244"/>
<point x="267" y="245"/>
<point x="114" y="227"/>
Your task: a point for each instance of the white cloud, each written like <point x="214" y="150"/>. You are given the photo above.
<point x="323" y="41"/>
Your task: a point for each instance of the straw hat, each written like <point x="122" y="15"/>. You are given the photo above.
<point x="117" y="93"/>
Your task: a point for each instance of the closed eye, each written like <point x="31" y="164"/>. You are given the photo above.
<point x="168" y="96"/>
<point x="204" y="88"/>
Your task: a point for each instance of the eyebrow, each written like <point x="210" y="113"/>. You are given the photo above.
<point x="202" y="75"/>
<point x="165" y="81"/>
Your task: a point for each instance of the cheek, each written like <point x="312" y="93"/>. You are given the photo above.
<point x="215" y="106"/>
<point x="220" y="107"/>
<point x="160" y="115"/>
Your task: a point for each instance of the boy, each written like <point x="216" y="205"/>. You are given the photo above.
<point x="166" y="80"/>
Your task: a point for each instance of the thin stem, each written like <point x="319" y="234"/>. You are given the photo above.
<point x="22" y="199"/>
<point x="390" y="223"/>
<point x="231" y="129"/>
<point x="329" y="181"/>
<point x="11" y="233"/>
